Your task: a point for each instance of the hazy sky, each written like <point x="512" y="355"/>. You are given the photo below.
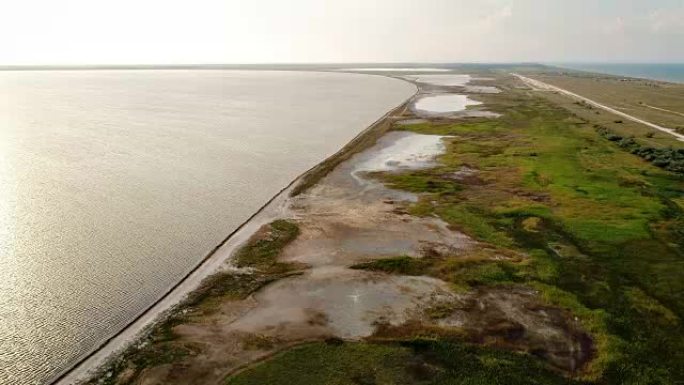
<point x="251" y="31"/>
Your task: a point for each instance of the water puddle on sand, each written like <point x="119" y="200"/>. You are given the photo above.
<point x="405" y="151"/>
<point x="443" y="103"/>
<point x="345" y="301"/>
<point x="396" y="151"/>
<point x="451" y="80"/>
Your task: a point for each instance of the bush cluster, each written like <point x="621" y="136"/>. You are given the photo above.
<point x="668" y="158"/>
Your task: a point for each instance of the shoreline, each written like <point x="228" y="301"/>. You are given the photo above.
<point x="212" y="262"/>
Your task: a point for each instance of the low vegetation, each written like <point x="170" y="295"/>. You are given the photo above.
<point x="419" y="361"/>
<point x="481" y="267"/>
<point x="262" y="252"/>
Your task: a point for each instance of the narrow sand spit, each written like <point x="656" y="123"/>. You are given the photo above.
<point x="347" y="217"/>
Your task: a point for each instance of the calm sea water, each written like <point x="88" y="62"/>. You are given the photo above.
<point x="114" y="184"/>
<point x="659" y="71"/>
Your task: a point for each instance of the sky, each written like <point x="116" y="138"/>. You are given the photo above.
<point x="44" y="32"/>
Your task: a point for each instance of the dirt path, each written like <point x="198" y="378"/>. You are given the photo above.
<point x="664" y="110"/>
<point x="541" y="86"/>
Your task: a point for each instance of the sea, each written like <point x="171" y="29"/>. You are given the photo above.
<point x="114" y="184"/>
<point x="669" y="72"/>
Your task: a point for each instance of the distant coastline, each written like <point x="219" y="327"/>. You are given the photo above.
<point x="669" y="72"/>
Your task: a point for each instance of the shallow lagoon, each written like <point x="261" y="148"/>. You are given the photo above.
<point x="454" y="80"/>
<point x="443" y="103"/>
<point x="442" y="80"/>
